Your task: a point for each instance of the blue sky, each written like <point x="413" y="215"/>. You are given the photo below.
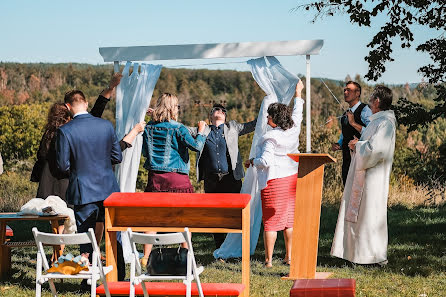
<point x="72" y="31"/>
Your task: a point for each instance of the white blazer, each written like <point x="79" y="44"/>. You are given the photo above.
<point x="271" y="151"/>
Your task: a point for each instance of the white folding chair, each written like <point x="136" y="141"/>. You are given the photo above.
<point x="95" y="271"/>
<point x="137" y="276"/>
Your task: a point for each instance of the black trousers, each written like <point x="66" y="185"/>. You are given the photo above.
<point x="90" y="222"/>
<point x="346" y="160"/>
<point x="225" y="184"/>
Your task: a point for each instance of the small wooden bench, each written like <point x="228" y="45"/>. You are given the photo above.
<point x="164" y="289"/>
<point x="334" y="287"/>
<point x="6" y="245"/>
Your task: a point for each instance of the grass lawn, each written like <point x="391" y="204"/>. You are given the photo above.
<point x="417" y="261"/>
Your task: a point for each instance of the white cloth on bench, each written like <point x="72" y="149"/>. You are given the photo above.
<point x="35" y="206"/>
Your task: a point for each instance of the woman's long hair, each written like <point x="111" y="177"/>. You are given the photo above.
<point x="281" y="115"/>
<point x="58" y="115"/>
<point x="166" y="108"/>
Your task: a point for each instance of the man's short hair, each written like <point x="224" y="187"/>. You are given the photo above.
<point x="218" y="105"/>
<point x="358" y="86"/>
<point x="385" y="97"/>
<point x="74" y="96"/>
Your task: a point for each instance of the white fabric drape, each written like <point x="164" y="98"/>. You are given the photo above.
<point x="279" y="86"/>
<point x="133" y="97"/>
<point x="132" y="100"/>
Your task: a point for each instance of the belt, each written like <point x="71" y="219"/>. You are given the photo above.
<point x="218" y="176"/>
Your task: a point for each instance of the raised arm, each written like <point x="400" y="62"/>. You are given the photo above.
<point x="105" y="95"/>
<point x="245" y="128"/>
<point x="194" y="144"/>
<point x="127" y="141"/>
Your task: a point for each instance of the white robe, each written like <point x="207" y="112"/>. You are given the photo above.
<point x="361" y="230"/>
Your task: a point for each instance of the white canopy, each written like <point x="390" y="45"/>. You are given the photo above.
<point x="211" y="50"/>
<point x="222" y="50"/>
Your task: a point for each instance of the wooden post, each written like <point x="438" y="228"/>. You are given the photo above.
<point x="246" y="222"/>
<point x="111" y="246"/>
<point x="307" y="214"/>
<point x="57" y="249"/>
<point x="308" y="107"/>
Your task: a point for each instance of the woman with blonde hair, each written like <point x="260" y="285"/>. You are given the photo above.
<point x="166" y="145"/>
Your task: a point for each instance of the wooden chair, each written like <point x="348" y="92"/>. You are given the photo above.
<point x="137" y="276"/>
<point x="95" y="271"/>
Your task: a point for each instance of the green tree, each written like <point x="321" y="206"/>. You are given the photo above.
<point x="21" y="128"/>
<point x="400" y="16"/>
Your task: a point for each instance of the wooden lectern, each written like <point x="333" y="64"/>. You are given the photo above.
<point x="307" y="214"/>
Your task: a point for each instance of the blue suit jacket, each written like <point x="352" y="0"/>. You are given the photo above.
<point x="87" y="146"/>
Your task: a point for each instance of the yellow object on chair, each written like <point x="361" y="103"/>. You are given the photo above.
<point x="68" y="268"/>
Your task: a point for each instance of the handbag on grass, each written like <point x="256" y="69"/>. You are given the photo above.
<point x="167" y="261"/>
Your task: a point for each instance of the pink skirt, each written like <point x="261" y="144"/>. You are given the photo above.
<point x="278" y="200"/>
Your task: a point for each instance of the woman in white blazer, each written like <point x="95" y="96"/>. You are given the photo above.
<point x="277" y="173"/>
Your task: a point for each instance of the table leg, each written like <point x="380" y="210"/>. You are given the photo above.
<point x="245" y="249"/>
<point x="5" y="261"/>
<point x="57" y="249"/>
<point x="111" y="253"/>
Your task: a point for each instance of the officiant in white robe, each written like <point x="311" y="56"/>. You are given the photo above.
<point x="361" y="231"/>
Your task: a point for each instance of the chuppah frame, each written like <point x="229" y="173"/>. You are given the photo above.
<point x="222" y="50"/>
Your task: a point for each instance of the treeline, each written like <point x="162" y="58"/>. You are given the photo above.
<point x="27" y="90"/>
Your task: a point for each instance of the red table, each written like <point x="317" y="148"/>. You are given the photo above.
<point x="171" y="212"/>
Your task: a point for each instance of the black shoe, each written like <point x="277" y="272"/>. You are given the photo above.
<point x="84" y="286"/>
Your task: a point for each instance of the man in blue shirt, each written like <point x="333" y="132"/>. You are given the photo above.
<point x="352" y="123"/>
<point x="220" y="164"/>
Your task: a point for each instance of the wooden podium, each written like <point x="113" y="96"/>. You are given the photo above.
<point x="307" y="214"/>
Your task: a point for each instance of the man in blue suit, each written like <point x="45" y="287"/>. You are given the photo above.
<point x="87" y="147"/>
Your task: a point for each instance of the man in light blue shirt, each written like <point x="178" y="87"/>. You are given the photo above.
<point x="352" y="123"/>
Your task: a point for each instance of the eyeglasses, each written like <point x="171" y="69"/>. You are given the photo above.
<point x="218" y="109"/>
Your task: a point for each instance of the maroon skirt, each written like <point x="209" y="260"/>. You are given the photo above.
<point x="173" y="182"/>
<point x="278" y="200"/>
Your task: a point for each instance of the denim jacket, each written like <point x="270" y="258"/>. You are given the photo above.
<point x="166" y="144"/>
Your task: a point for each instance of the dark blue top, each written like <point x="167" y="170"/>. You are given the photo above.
<point x="215" y="152"/>
<point x="87" y="146"/>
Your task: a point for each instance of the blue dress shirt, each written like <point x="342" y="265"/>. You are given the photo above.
<point x="215" y="151"/>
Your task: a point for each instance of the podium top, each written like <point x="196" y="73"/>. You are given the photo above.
<point x="324" y="158"/>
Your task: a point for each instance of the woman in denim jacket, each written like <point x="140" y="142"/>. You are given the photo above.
<point x="165" y="147"/>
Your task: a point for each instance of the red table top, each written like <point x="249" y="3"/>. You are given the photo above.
<point x="157" y="199"/>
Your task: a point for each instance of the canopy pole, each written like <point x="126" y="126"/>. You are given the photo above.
<point x="116" y="66"/>
<point x="308" y="105"/>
